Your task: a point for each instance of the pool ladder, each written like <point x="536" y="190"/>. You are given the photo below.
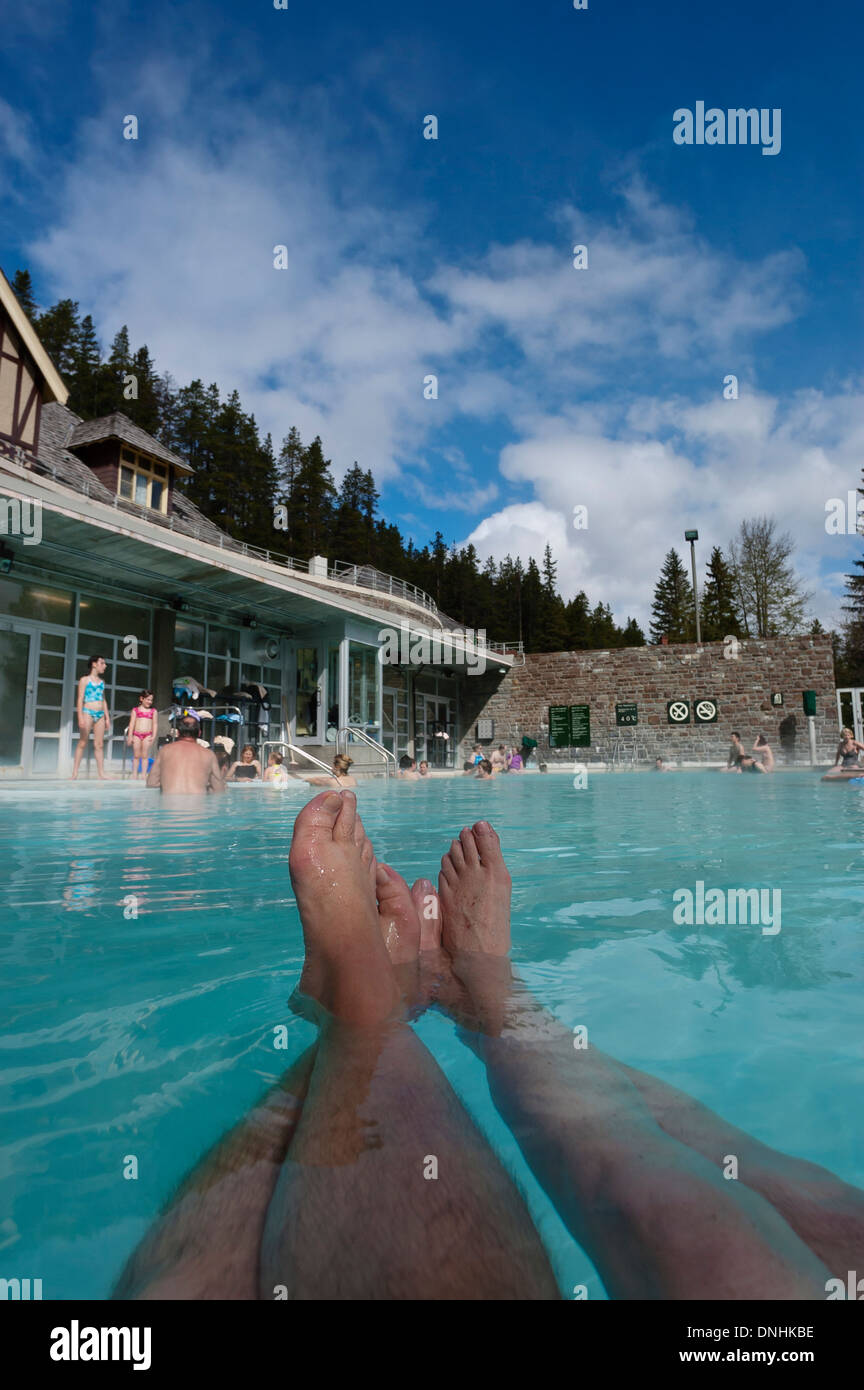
<point x="353" y="732"/>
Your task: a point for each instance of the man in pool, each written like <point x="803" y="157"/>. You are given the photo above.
<point x="184" y="766"/>
<point x="337" y="1159"/>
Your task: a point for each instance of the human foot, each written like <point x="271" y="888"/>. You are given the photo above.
<point x="474" y="895"/>
<point x="333" y="871"/>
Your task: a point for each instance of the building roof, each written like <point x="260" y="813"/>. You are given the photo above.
<point x="52" y="383"/>
<point x="59" y="426"/>
<point x="119" y="426"/>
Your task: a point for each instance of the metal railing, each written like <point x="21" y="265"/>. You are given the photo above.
<point x="370" y="742"/>
<point x="294" y="748"/>
<point x="516" y="649"/>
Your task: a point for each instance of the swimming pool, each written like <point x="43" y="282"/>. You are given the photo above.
<point x="152" y="1034"/>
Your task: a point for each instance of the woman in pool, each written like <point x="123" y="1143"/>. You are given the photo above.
<point x="93" y="714"/>
<point x="141" y="734"/>
<point x="341" y="766"/>
<point x="276" y="774"/>
<point x="247" y="769"/>
<point x="846" y="763"/>
<point x="483" y="770"/>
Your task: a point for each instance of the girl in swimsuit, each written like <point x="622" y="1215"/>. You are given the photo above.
<point x="93" y="714"/>
<point x="141" y="734"/>
<point x="247" y="768"/>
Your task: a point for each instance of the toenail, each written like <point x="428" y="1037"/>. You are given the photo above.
<point x="483" y="825"/>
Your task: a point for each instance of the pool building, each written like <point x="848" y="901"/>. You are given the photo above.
<point x="102" y="553"/>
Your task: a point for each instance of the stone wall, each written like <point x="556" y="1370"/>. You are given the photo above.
<point x="651" y="676"/>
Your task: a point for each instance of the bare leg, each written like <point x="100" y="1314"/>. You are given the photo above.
<point x="207" y="1243"/>
<point x="83" y="735"/>
<point x="656" y="1218"/>
<point x="98" y="745"/>
<point x="388" y="1191"/>
<point x="827" y="1213"/>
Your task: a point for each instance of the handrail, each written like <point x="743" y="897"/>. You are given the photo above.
<point x="294" y="748"/>
<point x="371" y="742"/>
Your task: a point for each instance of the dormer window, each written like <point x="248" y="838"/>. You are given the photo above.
<point x="143" y="481"/>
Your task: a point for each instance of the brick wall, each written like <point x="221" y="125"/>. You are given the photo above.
<point x="519" y="702"/>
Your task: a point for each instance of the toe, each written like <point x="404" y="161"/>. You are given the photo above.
<point x="469" y="847"/>
<point x="457" y="855"/>
<point x="397" y="912"/>
<point x="343" y="830"/>
<point x="487" y="842"/>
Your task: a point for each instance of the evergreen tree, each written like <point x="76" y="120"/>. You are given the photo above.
<point x="719" y="607"/>
<point x="58" y="330"/>
<point x="313" y="495"/>
<point x="84" y="378"/>
<point x="672" y="612"/>
<point x="22" y="287"/>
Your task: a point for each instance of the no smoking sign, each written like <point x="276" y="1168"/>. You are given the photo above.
<point x="678" y="712"/>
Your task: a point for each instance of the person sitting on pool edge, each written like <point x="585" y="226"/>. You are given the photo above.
<point x="515" y="764"/>
<point x="185" y="766"/>
<point x="247" y="768"/>
<point x="341" y="765"/>
<point x="633" y="1166"/>
<point x="765" y="752"/>
<point x="499" y="759"/>
<point x="846" y="763"/>
<point x="736" y="748"/>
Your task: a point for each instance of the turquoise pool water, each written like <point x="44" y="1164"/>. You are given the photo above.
<point x="152" y="1035"/>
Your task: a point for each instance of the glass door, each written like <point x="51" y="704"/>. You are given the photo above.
<point x="32" y="682"/>
<point x="16" y="698"/>
<point x="436" y="731"/>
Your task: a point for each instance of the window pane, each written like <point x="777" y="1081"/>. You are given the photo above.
<point x="118" y="619"/>
<point x="189" y="636"/>
<point x="47" y="721"/>
<point x="126" y="480"/>
<point x="51" y="667"/>
<point x="156" y="495"/>
<point x="50" y="643"/>
<point x="224" y="643"/>
<point x="307" y="692"/>
<point x="45" y="753"/>
<point x="160" y="470"/>
<point x="50" y="693"/>
<point x="363" y="673"/>
<point x="36" y="601"/>
<point x="134" y="677"/>
<point x="140" y="489"/>
<point x="128" y="455"/>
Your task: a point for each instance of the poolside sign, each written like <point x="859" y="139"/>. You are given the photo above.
<point x="626" y="714"/>
<point x="705" y="711"/>
<point x="569" y="726"/>
<point x="678" y="712"/>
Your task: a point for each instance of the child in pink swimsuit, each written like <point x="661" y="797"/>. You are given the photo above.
<point x="141" y="733"/>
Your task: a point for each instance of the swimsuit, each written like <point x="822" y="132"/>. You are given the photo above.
<point x="245" y="770"/>
<point x="93" y="691"/>
<point x="143" y="714"/>
<point x="850" y="759"/>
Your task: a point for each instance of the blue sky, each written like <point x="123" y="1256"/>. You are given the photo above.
<point x="557" y="387"/>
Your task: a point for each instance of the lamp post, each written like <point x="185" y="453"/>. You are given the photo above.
<point x="692" y="537"/>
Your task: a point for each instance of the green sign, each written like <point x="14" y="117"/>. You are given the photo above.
<point x="569" y="726"/>
<point x="705" y="711"/>
<point x="580" y="726"/>
<point x="678" y="712"/>
<point x="626" y="714"/>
